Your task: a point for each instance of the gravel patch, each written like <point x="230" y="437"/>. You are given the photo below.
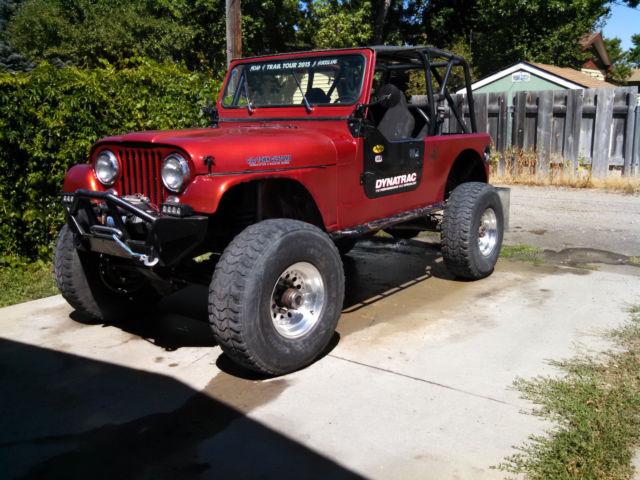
<point x="557" y="218"/>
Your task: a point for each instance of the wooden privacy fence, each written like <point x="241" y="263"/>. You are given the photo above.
<point x="597" y="127"/>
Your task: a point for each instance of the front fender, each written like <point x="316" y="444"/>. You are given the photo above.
<point x="205" y="192"/>
<point x="81" y="177"/>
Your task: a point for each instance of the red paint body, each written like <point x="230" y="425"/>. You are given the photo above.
<point x="325" y="159"/>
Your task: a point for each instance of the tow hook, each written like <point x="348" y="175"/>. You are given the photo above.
<point x="148" y="262"/>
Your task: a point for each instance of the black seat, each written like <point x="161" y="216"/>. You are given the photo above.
<point x="397" y="123"/>
<point x="317" y="95"/>
<point x="424" y="131"/>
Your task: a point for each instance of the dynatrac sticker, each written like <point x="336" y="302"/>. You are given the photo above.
<point x="393" y="183"/>
<point x="293" y="64"/>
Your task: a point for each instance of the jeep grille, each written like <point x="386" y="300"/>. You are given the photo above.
<point x="141" y="173"/>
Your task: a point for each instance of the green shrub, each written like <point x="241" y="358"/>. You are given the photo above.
<point x="50" y="117"/>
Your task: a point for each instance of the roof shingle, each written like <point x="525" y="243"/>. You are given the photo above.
<point x="573" y="75"/>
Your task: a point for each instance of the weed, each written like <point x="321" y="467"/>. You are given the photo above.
<point x="523" y="167"/>
<point x="594" y="406"/>
<point x="21" y="282"/>
<point x="635" y="260"/>
<point x="521" y="250"/>
<point x="203" y="258"/>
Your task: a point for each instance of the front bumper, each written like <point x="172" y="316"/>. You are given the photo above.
<point x="106" y="223"/>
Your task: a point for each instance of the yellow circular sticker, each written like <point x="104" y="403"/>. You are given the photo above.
<point x="378" y="149"/>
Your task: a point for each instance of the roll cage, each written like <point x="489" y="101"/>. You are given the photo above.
<point x="437" y="65"/>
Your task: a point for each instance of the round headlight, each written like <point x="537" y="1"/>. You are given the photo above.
<point x="107" y="167"/>
<point x="175" y="172"/>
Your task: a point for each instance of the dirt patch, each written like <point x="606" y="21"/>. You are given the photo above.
<point x="585" y="257"/>
<point x="554" y="218"/>
<point x="580" y="258"/>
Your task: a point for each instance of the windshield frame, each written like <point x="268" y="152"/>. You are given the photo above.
<point x="292" y="57"/>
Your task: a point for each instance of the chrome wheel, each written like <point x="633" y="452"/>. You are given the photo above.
<point x="296" y="300"/>
<point x="488" y="232"/>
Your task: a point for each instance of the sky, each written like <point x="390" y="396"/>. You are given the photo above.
<point x="624" y="22"/>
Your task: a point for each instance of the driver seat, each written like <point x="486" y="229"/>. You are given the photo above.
<point x="397" y="123"/>
<point x="317" y="95"/>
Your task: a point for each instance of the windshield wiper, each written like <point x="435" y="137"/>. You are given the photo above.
<point x="246" y="95"/>
<point x="304" y="97"/>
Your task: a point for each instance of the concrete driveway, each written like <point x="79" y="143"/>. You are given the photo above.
<point x="416" y="383"/>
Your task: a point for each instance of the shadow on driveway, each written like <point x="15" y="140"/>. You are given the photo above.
<point x="70" y="417"/>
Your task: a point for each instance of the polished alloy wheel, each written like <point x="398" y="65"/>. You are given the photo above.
<point x="296" y="300"/>
<point x="488" y="232"/>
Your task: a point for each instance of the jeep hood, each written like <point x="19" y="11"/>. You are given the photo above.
<point x="245" y="147"/>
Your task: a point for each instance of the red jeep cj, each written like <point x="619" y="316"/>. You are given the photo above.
<point x="306" y="152"/>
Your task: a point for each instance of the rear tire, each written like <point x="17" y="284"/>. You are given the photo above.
<point x="276" y="296"/>
<point x="472" y="230"/>
<point x="81" y="278"/>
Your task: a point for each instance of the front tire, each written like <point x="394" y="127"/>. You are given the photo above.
<point x="276" y="296"/>
<point x="83" y="279"/>
<point x="472" y="230"/>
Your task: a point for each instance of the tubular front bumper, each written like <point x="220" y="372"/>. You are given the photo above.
<point x="106" y="223"/>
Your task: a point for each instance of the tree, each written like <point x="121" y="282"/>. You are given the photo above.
<point x="448" y="22"/>
<point x="7" y="10"/>
<point x="270" y="26"/>
<point x="381" y="12"/>
<point x="619" y="59"/>
<point x="634" y="52"/>
<point x="83" y="32"/>
<point x="508" y="31"/>
<point x="11" y="60"/>
<point x="331" y="24"/>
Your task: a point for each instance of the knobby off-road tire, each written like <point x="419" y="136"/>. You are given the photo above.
<point x="472" y="229"/>
<point x="266" y="264"/>
<point x="80" y="278"/>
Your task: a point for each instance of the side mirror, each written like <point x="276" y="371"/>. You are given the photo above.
<point x="211" y="111"/>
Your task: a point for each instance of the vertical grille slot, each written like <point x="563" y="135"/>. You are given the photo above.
<point x="159" y="175"/>
<point x="130" y="175"/>
<point x="138" y="169"/>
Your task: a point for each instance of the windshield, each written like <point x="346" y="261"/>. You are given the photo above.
<point x="327" y="80"/>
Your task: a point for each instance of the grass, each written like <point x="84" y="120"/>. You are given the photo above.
<point x="635" y="260"/>
<point x="23" y="282"/>
<point x="524" y="252"/>
<point x="522" y="168"/>
<point x="594" y="406"/>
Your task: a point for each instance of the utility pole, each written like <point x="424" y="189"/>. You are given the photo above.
<point x="234" y="30"/>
